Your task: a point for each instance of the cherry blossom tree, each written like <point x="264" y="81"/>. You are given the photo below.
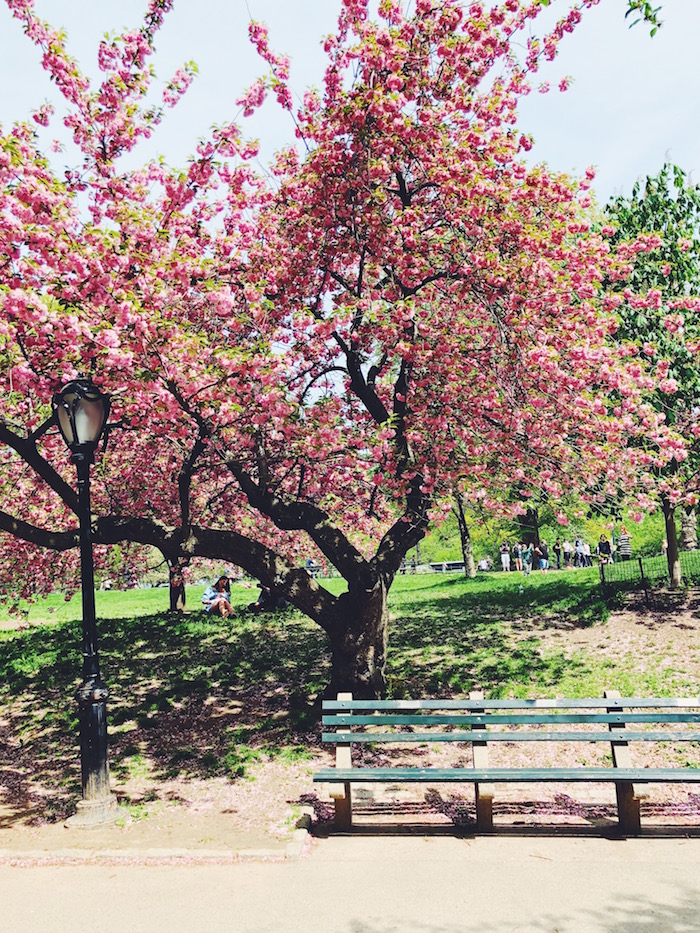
<point x="307" y="362"/>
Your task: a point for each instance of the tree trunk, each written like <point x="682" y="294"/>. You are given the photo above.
<point x="672" y="554"/>
<point x="358" y="640"/>
<point x="177" y="586"/>
<point x="689" y="529"/>
<point x="530" y="525"/>
<point x="464" y="536"/>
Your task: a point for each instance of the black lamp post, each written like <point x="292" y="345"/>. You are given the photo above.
<point x="81" y="412"/>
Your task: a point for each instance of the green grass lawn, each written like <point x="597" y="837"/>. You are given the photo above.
<point x="196" y="697"/>
<point x="551" y="592"/>
<point x="448" y="634"/>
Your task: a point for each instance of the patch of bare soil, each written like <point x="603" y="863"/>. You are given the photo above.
<point x="257" y="813"/>
<point x="661" y="635"/>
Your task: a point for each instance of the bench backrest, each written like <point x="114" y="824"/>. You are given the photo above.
<point x="479" y="720"/>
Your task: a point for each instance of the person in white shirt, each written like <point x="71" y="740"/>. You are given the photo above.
<point x="505" y="555"/>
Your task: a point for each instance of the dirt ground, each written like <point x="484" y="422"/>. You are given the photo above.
<point x="260" y="813"/>
<point x="662" y="633"/>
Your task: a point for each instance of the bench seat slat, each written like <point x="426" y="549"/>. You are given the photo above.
<point x="390" y="719"/>
<point x="477" y="735"/>
<point x="519" y="775"/>
<point x="591" y="703"/>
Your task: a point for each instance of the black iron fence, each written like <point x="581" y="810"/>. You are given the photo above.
<point x="648" y="573"/>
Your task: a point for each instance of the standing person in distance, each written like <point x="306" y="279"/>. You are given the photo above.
<point x="604" y="551"/>
<point x="566" y="550"/>
<point x="624" y="544"/>
<point x="505" y="555"/>
<point x="556" y="547"/>
<point x="517" y="555"/>
<point x="587" y="562"/>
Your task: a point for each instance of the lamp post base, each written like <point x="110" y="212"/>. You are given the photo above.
<point x="91" y="813"/>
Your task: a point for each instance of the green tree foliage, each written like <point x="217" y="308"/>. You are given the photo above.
<point x="666" y="207"/>
<point x="442" y="542"/>
<point x="644" y="11"/>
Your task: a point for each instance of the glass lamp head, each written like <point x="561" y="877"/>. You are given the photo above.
<point x="81" y="412"/>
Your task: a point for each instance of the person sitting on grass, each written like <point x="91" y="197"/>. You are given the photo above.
<point x="268" y="601"/>
<point x="216" y="598"/>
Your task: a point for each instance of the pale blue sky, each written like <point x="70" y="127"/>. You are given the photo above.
<point x="635" y="100"/>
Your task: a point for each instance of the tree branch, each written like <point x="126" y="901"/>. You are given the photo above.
<point x="184" y="480"/>
<point x="42" y="537"/>
<point x="294" y="516"/>
<point x="405" y="533"/>
<point x="261" y="562"/>
<point x="27" y="450"/>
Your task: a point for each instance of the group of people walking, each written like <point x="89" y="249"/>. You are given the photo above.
<point x="564" y="554"/>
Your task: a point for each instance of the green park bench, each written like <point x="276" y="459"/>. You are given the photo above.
<point x="476" y="722"/>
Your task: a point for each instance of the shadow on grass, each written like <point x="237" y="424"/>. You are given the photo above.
<point x="191" y="697"/>
<point x="464" y="635"/>
<point x="555" y="599"/>
<point x="194" y="697"/>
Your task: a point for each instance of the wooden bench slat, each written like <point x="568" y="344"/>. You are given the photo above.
<point x="510" y="775"/>
<point x="503" y="736"/>
<point x="558" y="703"/>
<point x="497" y="719"/>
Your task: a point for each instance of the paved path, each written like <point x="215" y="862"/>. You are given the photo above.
<point x="376" y="885"/>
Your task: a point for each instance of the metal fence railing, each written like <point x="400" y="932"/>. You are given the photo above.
<point x="648" y="572"/>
